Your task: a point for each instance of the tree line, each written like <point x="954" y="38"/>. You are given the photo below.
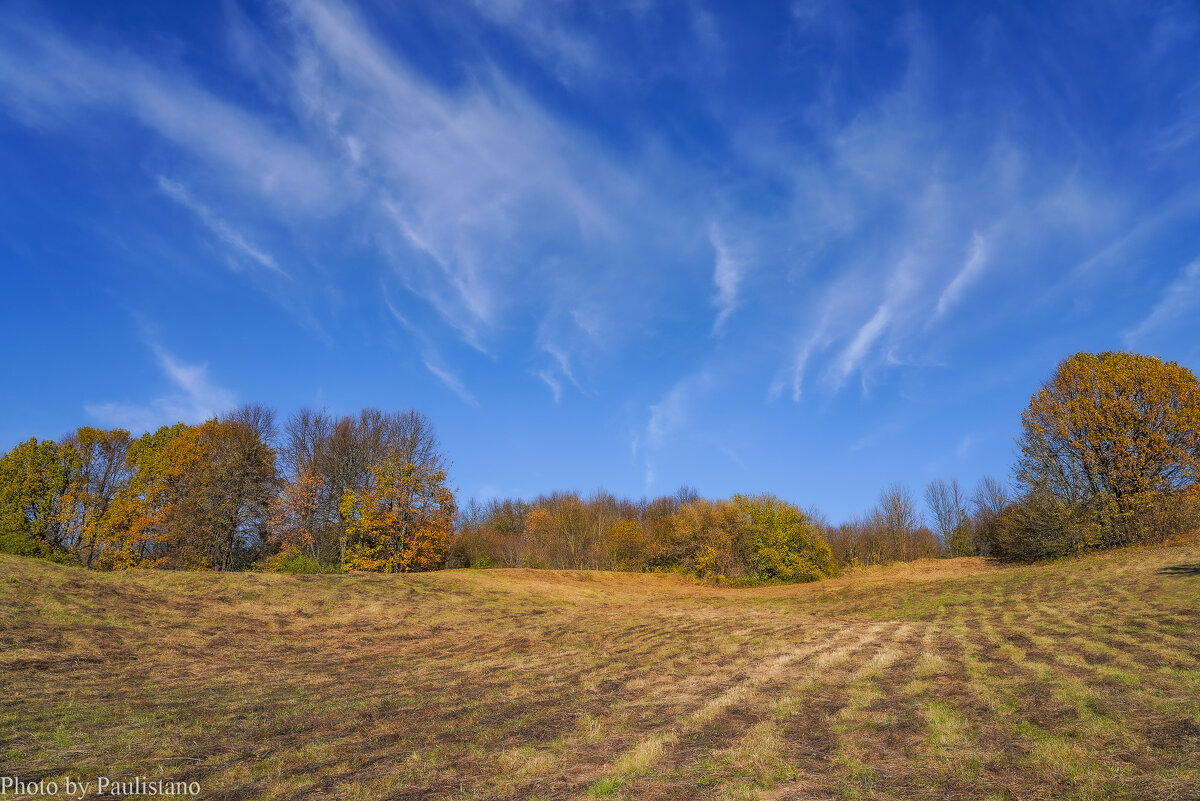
<point x="757" y="538"/>
<point x="365" y="492"/>
<point x="1109" y="455"/>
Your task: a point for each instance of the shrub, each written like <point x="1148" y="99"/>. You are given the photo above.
<point x="1173" y="514"/>
<point x="292" y="561"/>
<point x="19" y="543"/>
<point x="787" y="546"/>
<point x="707" y="562"/>
<point x="1039" y="526"/>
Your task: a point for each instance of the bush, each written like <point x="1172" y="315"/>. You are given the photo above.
<point x="787" y="546"/>
<point x="1039" y="526"/>
<point x="753" y="538"/>
<point x="19" y="543"/>
<point x="1043" y="526"/>
<point x="292" y="561"/>
<point x="1174" y="514"/>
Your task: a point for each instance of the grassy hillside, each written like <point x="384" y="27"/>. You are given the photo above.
<point x="947" y="679"/>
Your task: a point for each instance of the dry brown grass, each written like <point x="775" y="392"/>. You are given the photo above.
<point x="936" y="679"/>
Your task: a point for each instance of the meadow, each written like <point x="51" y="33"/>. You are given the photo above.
<point x="947" y="679"/>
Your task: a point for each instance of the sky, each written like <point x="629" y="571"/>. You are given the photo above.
<point x="807" y="248"/>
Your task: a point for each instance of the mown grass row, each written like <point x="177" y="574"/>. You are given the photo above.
<point x="1077" y="679"/>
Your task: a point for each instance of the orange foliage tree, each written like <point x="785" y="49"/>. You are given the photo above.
<point x="100" y="473"/>
<point x="400" y="522"/>
<point x="197" y="499"/>
<point x="135" y="533"/>
<point x="295" y="518"/>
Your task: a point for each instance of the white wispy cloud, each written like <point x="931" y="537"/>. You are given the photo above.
<point x="196" y="398"/>
<point x="671" y="411"/>
<point x="667" y="414"/>
<point x="218" y="226"/>
<point x="448" y="377"/>
<point x="898" y="182"/>
<point x="727" y="275"/>
<point x="1180" y="297"/>
<point x="505" y="222"/>
<point x="540" y="28"/>
<point x="667" y="417"/>
<point x="792" y="373"/>
<point x="553" y="383"/>
<point x="970" y="272"/>
<point x="50" y="80"/>
<point x="561" y="359"/>
<point x="869" y="333"/>
<point x="571" y="331"/>
<point x="461" y="174"/>
<point x="476" y="197"/>
<point x="424" y="344"/>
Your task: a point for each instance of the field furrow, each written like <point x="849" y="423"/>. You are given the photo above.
<point x="1077" y="680"/>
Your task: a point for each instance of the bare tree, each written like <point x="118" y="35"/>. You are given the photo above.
<point x="304" y="435"/>
<point x="258" y="419"/>
<point x="989" y="501"/>
<point x="893" y="531"/>
<point x="899" y="520"/>
<point x="947" y="503"/>
<point x="413" y="440"/>
<point x="990" y="498"/>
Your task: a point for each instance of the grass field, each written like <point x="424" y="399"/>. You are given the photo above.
<point x="938" y="679"/>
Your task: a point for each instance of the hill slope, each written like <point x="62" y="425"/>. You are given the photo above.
<point x="933" y="680"/>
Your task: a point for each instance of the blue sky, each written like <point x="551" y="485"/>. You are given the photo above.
<point x="809" y="248"/>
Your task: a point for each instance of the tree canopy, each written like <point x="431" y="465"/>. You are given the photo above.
<point x="1114" y="423"/>
<point x="1115" y="439"/>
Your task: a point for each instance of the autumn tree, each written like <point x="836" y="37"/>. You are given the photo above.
<point x="219" y="520"/>
<point x="197" y="498"/>
<point x="539" y="530"/>
<point x="503" y="527"/>
<point x="100" y="472"/>
<point x="713" y="539"/>
<point x="569" y="532"/>
<point x="625" y="542"/>
<point x="1115" y="433"/>
<point x="295" y="519"/>
<point x="34" y="478"/>
<point x="331" y="456"/>
<point x="136" y="533"/>
<point x="212" y="497"/>
<point x="400" y="522"/>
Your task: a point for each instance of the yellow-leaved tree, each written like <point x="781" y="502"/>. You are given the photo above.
<point x="1116" y="435"/>
<point x="400" y="522"/>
